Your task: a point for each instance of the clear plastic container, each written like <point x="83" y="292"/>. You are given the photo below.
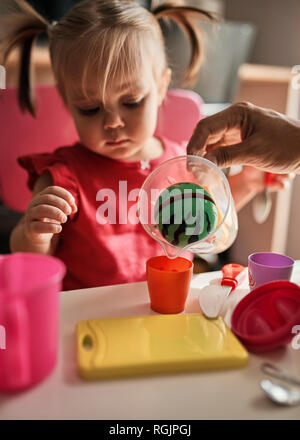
<point x="196" y="170"/>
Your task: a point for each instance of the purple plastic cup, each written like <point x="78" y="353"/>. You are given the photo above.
<point x="268" y="266"/>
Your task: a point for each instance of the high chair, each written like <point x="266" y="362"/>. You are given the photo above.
<point x="53" y="127"/>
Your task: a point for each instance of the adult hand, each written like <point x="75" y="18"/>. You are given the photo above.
<point x="244" y="134"/>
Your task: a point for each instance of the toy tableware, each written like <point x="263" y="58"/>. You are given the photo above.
<point x="274" y="371"/>
<point x="280" y="394"/>
<point x="208" y="186"/>
<point x="262" y="203"/>
<point x="29" y="313"/>
<point x="212" y="297"/>
<point x="168" y="283"/>
<point x="264" y="319"/>
<point x="115" y="347"/>
<point x="268" y="266"/>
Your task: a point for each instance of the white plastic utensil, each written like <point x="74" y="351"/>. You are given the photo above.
<point x="212" y="297"/>
<point x="262" y="203"/>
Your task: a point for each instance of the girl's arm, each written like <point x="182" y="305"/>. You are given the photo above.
<point x="251" y="181"/>
<point x="38" y="230"/>
<point x="240" y="190"/>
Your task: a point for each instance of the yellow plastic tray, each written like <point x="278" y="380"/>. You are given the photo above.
<point x="114" y="347"/>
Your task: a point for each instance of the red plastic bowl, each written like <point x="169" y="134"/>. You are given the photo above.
<point x="264" y="319"/>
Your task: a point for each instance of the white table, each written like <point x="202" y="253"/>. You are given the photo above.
<point x="227" y="394"/>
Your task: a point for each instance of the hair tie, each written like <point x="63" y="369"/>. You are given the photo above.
<point x="51" y="26"/>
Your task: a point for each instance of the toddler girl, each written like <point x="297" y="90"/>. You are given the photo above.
<point x="110" y="67"/>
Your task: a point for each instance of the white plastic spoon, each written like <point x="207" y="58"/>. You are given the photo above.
<point x="212" y="297"/>
<point x="262" y="203"/>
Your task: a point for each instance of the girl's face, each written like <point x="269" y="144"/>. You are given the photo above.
<point x="123" y="128"/>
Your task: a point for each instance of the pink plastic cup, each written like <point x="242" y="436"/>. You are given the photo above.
<point x="264" y="267"/>
<point x="29" y="317"/>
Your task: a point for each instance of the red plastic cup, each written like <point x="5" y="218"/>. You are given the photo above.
<point x="168" y="283"/>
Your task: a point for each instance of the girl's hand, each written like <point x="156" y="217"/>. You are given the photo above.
<point x="46" y="212"/>
<point x="254" y="179"/>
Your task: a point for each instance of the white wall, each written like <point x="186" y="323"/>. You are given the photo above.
<point x="278" y="28"/>
<point x="293" y="238"/>
<point x="277" y="43"/>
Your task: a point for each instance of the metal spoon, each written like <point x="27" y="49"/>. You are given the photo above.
<point x="274" y="371"/>
<point x="280" y="394"/>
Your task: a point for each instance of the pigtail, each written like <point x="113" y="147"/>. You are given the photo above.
<point x="19" y="28"/>
<point x="184" y="16"/>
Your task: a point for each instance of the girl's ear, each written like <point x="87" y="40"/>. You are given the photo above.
<point x="164" y="84"/>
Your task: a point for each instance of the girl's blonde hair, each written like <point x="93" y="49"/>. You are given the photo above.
<point x="98" y="39"/>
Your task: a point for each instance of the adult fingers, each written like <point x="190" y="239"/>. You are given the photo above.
<point x="239" y="154"/>
<point x="212" y="129"/>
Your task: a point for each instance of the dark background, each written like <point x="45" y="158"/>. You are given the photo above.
<point x="55" y="9"/>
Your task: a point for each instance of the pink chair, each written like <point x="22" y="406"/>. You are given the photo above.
<point x="21" y="133"/>
<point x="53" y="127"/>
